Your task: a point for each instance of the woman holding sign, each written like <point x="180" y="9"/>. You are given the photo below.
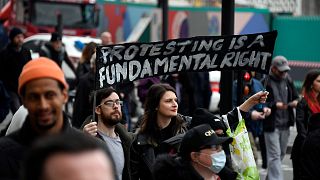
<point x="160" y="122"/>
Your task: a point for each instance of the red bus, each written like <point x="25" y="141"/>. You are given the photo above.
<point x="79" y="17"/>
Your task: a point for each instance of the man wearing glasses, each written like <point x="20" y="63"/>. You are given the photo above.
<point x="108" y="128"/>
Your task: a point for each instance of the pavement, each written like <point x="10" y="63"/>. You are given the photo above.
<point x="286" y="163"/>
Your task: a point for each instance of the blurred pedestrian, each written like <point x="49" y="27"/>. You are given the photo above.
<point x="44" y="92"/>
<point x="82" y="107"/>
<point x="193" y="90"/>
<point x="13" y="58"/>
<point x="84" y="63"/>
<point x="308" y="105"/>
<point x="56" y="51"/>
<point x="283" y="98"/>
<point x="144" y="85"/>
<point x="68" y="157"/>
<point x="3" y="36"/>
<point x="125" y="90"/>
<point x="106" y="38"/>
<point x="201" y="90"/>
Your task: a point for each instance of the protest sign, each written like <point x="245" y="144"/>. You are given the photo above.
<point x="131" y="61"/>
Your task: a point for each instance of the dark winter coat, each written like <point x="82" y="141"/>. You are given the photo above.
<point x="81" y="106"/>
<point x="13" y="148"/>
<point x="144" y="153"/>
<point x="11" y="64"/>
<point x="269" y="122"/>
<point x="4" y="102"/>
<point x="303" y="113"/>
<point x="310" y="150"/>
<point x="82" y="69"/>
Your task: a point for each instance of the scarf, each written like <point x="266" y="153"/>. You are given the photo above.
<point x="312" y="101"/>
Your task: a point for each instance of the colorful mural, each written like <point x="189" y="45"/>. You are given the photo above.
<point x="120" y="20"/>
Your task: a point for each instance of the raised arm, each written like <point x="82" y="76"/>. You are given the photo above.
<point x="259" y="97"/>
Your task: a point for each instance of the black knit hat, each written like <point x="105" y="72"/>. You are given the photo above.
<point x="55" y="37"/>
<point x="14" y="32"/>
<point x="203" y="116"/>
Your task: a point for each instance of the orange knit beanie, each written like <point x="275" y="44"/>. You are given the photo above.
<point x="41" y="67"/>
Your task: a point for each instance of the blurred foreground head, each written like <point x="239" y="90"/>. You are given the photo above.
<point x="68" y="157"/>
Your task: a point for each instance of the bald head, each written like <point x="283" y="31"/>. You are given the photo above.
<point x="106" y="38"/>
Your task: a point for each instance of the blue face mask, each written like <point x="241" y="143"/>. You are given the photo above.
<point x="218" y="161"/>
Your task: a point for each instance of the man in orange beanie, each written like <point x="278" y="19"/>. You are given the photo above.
<point x="44" y="91"/>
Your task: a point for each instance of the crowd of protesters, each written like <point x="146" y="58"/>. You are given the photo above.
<point x="176" y="137"/>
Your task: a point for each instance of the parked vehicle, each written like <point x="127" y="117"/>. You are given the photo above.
<point x="73" y="44"/>
<point x="214" y="78"/>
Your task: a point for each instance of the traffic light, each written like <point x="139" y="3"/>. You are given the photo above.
<point x="247" y="80"/>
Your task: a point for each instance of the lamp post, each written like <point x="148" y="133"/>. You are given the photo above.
<point x="163" y="4"/>
<point x="227" y="28"/>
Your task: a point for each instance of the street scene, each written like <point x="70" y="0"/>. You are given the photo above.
<point x="159" y="89"/>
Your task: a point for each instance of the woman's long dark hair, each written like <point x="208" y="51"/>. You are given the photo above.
<point x="307" y="84"/>
<point x="149" y="124"/>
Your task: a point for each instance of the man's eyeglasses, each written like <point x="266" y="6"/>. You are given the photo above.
<point x="111" y="103"/>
